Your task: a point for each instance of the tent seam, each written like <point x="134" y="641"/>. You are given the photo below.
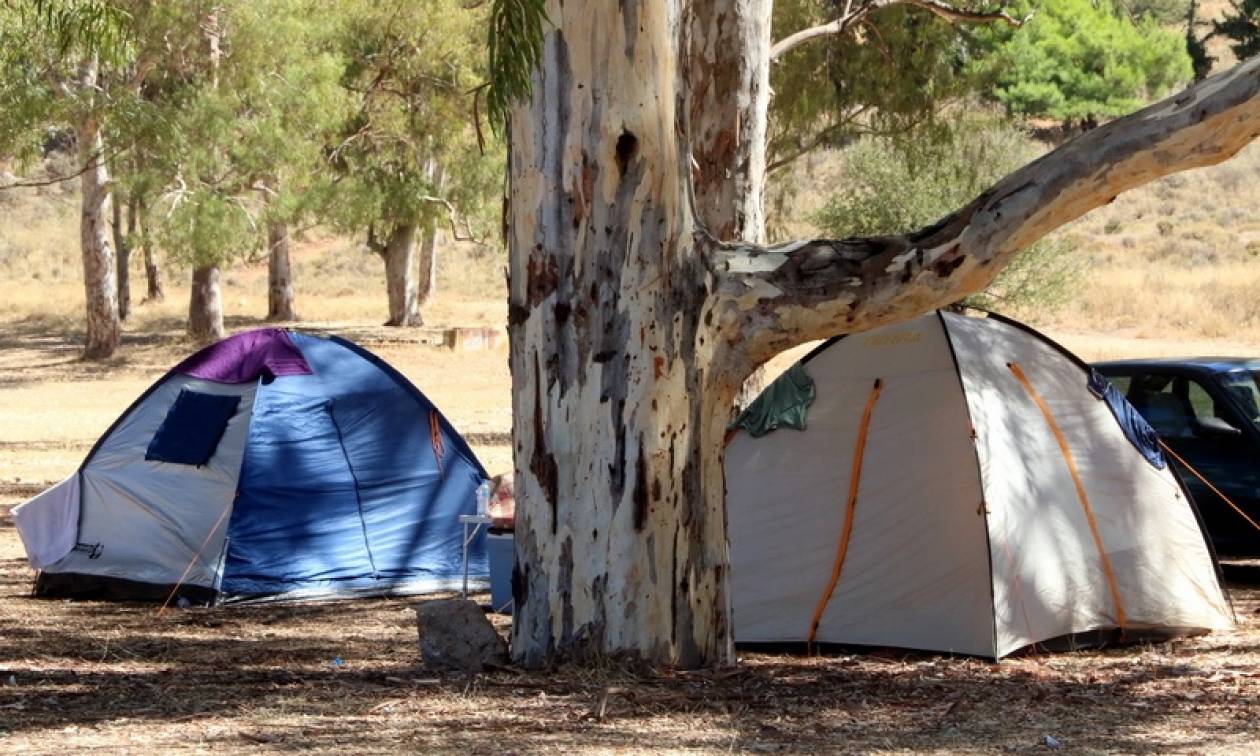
<point x="358" y="499"/>
<point x="984" y="504"/>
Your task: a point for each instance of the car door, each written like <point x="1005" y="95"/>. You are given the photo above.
<point x="1193" y="417"/>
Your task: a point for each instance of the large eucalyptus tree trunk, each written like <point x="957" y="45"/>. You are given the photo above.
<point x="631" y="329"/>
<point x="104" y="329"/>
<point x="280" y="304"/>
<point x="730" y="103"/>
<point x="618" y="411"/>
<point x="400" y="276"/>
<point x="205" y="305"/>
<point x="122" y="244"/>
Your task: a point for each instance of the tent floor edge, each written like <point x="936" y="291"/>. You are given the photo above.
<point x="78" y="585"/>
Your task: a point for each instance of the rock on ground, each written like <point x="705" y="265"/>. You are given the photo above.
<point x="455" y="635"/>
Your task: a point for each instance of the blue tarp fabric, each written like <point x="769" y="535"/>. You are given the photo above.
<point x="1136" y="429"/>
<point x="192" y="428"/>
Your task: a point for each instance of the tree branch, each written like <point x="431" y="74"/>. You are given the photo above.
<point x="772" y="298"/>
<point x="846" y="21"/>
<point x="452" y="218"/>
<point x="91" y="164"/>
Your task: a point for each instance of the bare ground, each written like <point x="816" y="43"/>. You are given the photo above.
<point x="346" y="676"/>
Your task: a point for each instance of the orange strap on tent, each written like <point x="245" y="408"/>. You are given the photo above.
<point x="1208" y="483"/>
<point x="435" y="437"/>
<point x="855" y="477"/>
<point x="1112" y="584"/>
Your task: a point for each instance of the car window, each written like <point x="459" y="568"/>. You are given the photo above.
<point x="1121" y="382"/>
<point x="1180" y="407"/>
<point x="1243" y="387"/>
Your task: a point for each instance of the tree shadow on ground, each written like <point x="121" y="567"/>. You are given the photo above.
<point x="342" y="675"/>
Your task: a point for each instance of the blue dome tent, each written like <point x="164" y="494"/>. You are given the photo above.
<point x="271" y="464"/>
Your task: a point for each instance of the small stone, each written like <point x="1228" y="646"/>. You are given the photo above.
<point x="456" y="635"/>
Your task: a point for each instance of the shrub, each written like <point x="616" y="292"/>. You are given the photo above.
<point x="892" y="188"/>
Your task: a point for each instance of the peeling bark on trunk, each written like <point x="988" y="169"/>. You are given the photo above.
<point x="280" y="304"/>
<point x="122" y="244"/>
<point x="205" y="305"/>
<point x="619" y="398"/>
<point x="729" y="78"/>
<point x="730" y="102"/>
<point x="104" y="328"/>
<point x="631" y="329"/>
<point x="400" y="277"/>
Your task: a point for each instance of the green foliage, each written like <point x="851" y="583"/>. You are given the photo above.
<point x="225" y="147"/>
<point x="409" y="138"/>
<point x="1079" y="60"/>
<point x="82" y="27"/>
<point x="1241" y="25"/>
<point x="1163" y="12"/>
<point x="889" y="190"/>
<point x="886" y="75"/>
<point x="515" y="43"/>
<point x="44" y="46"/>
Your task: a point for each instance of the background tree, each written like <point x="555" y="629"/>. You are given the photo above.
<point x="1241" y="26"/>
<point x="407" y="160"/>
<point x="241" y="119"/>
<point x="1079" y="61"/>
<point x="631" y="329"/>
<point x="78" y="65"/>
<point x="880" y="68"/>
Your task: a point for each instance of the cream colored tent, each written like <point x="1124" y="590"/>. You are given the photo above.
<point x="960" y="488"/>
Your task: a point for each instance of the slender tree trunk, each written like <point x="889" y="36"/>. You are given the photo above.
<point x="631" y="328"/>
<point x="400" y="277"/>
<point x="152" y="272"/>
<point x="122" y="244"/>
<point x="279" y="274"/>
<point x="427" y="279"/>
<point x="205" y="305"/>
<point x="730" y="103"/>
<point x="104" y="328"/>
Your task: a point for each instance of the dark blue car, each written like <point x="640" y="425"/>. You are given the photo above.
<point x="1207" y="410"/>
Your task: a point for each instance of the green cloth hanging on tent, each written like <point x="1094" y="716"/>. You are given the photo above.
<point x="784" y="404"/>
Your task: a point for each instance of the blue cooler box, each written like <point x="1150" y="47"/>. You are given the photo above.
<point x="502" y="549"/>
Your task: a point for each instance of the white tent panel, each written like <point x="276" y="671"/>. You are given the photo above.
<point x="49" y="523"/>
<point x="916" y="569"/>
<point x="1049" y="578"/>
<point x="152" y="519"/>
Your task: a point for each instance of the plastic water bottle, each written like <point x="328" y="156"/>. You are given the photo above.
<point x="483" y="498"/>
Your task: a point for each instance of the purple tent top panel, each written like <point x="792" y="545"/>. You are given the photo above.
<point x="246" y="356"/>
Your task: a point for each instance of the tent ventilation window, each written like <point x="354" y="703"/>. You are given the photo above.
<point x="192" y="428"/>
